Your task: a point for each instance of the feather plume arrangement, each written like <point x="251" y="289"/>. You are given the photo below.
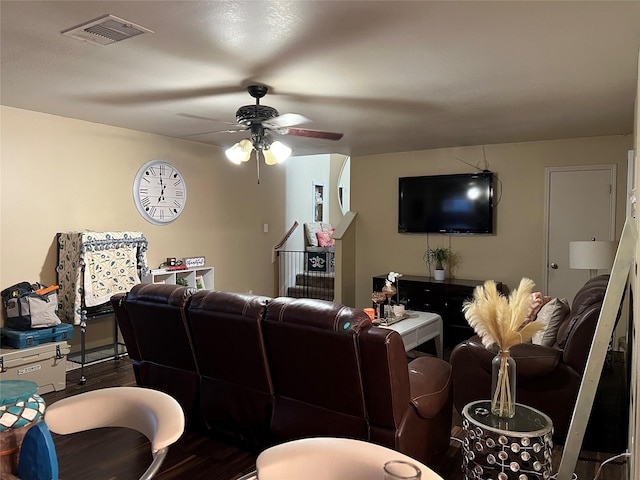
<point x="499" y="319"/>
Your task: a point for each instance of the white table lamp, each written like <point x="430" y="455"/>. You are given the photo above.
<point x="592" y="255"/>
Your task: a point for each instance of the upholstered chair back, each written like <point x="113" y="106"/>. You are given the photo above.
<point x="312" y="348"/>
<point x="386" y="380"/>
<point x="166" y="362"/>
<point x="236" y="388"/>
<point x="126" y="331"/>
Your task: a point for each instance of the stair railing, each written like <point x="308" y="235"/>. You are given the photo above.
<point x="303" y="274"/>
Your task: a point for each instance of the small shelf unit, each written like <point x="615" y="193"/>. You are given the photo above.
<point x="200" y="278"/>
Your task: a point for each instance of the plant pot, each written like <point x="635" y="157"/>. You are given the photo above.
<point x="438" y="274"/>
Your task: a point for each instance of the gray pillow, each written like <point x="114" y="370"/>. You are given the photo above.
<point x="551" y="315"/>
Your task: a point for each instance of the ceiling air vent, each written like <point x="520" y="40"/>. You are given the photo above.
<point x="105" y="30"/>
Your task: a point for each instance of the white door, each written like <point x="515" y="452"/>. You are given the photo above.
<point x="580" y="206"/>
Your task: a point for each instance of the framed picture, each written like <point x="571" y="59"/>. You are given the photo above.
<point x="200" y="282"/>
<point x="318" y="202"/>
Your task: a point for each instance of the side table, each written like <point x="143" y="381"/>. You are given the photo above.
<point x="20" y="408"/>
<point x="419" y="328"/>
<point x="517" y="448"/>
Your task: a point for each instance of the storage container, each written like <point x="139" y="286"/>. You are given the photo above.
<point x="31" y="338"/>
<point x="44" y="364"/>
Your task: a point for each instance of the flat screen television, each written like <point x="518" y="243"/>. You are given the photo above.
<point x="456" y="204"/>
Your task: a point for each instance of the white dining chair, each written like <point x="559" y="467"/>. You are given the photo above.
<point x="329" y="458"/>
<point x="155" y="414"/>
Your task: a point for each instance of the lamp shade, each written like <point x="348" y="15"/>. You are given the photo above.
<point x="592" y="255"/>
<point x="277" y="152"/>
<point x="240" y="152"/>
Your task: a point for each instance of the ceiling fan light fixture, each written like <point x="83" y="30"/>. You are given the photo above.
<point x="277" y="152"/>
<point x="240" y="152"/>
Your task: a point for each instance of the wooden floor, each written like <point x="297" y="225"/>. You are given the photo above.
<point x="121" y="454"/>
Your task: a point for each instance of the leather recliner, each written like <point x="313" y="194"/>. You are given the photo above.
<point x="236" y="392"/>
<point x="151" y="319"/>
<point x="547" y="378"/>
<point x="334" y="374"/>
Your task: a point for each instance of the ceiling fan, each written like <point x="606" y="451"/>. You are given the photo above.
<point x="260" y="120"/>
<point x="263" y="118"/>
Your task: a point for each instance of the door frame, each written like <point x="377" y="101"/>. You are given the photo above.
<point x="611" y="167"/>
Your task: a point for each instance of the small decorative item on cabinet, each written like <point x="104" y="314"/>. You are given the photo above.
<point x="502" y="321"/>
<point x="437" y="257"/>
<point x="378" y="298"/>
<point x="182" y="282"/>
<point x="391" y="286"/>
<point x="192" y="262"/>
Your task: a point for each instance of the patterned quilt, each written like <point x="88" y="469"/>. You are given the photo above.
<point x="93" y="266"/>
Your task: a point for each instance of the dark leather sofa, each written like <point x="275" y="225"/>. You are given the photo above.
<point x="548" y="378"/>
<point x="272" y="370"/>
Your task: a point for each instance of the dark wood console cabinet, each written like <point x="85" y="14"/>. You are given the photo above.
<point x="442" y="297"/>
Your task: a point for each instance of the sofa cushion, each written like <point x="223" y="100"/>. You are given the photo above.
<point x="551" y="315"/>
<point x="315" y="313"/>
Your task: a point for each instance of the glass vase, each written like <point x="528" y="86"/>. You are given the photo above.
<point x="503" y="385"/>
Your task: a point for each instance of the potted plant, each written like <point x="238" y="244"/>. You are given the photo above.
<point x="437" y="257"/>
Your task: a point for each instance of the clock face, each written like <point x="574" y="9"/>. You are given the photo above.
<point x="159" y="192"/>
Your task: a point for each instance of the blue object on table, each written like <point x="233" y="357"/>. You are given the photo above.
<point x="38" y="459"/>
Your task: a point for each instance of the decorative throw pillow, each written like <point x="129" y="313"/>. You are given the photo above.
<point x="311" y="229"/>
<point x="325" y="239"/>
<point x="551" y="315"/>
<point x="537" y="302"/>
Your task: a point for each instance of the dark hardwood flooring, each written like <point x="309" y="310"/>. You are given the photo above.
<point x="122" y="454"/>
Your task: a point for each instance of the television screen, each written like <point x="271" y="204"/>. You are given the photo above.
<point x="460" y="203"/>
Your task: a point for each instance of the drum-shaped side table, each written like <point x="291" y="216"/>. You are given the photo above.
<point x="517" y="448"/>
<point x="20" y="408"/>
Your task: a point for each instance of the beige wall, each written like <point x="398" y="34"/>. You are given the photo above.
<point x="71" y="175"/>
<point x="517" y="247"/>
<point x="60" y="174"/>
<point x="634" y="407"/>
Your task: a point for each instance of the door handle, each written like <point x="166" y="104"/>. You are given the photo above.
<point x="554" y="265"/>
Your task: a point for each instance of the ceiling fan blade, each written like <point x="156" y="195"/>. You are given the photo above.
<point x="303" y="132"/>
<point x="214" y="132"/>
<point x="209" y="119"/>
<point x="286" y="120"/>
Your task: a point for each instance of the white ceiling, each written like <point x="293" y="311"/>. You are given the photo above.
<point x="391" y="75"/>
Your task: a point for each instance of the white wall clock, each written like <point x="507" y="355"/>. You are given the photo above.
<point x="159" y="192"/>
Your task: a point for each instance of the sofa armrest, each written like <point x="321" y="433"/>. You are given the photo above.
<point x="430" y="385"/>
<point x="532" y="361"/>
